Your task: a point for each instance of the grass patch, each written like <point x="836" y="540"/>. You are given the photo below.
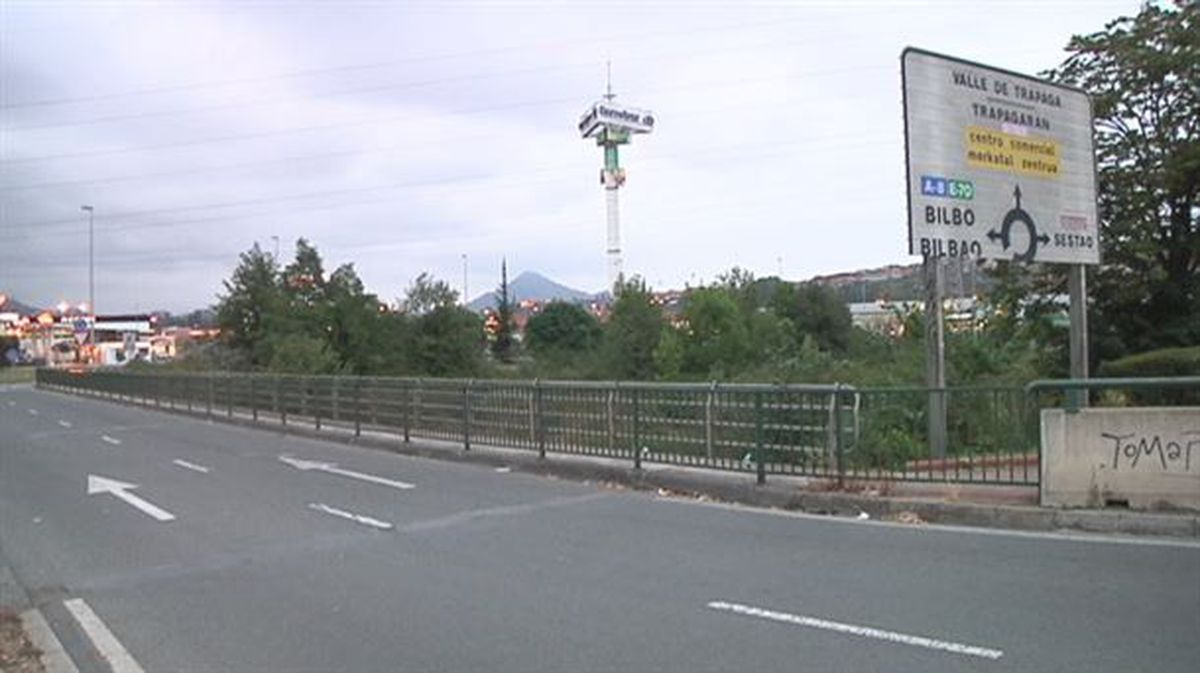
<point x="17" y="374"/>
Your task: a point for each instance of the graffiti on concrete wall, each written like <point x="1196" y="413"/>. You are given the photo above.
<point x="1170" y="453"/>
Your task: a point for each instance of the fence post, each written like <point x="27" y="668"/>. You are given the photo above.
<point x="759" y="466"/>
<point x="253" y="399"/>
<point x="316" y="401"/>
<point x="209" y="404"/>
<point x="836" y="437"/>
<point x="229" y="394"/>
<point x="467" y="415"/>
<point x="708" y="420"/>
<point x="333" y="404"/>
<point x="282" y="402"/>
<point x="357" y="406"/>
<point x="407" y="390"/>
<point x="637" y="436"/>
<point x="539" y="419"/>
<point x="609" y="408"/>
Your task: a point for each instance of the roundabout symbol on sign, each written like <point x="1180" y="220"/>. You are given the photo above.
<point x="1018" y="214"/>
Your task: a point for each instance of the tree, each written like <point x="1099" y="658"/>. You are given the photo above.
<point x="716" y="341"/>
<point x="252" y="296"/>
<point x="1142" y="73"/>
<point x="633" y="331"/>
<point x="437" y="337"/>
<point x="304" y="278"/>
<point x="815" y="311"/>
<point x="427" y="294"/>
<point x="447" y="341"/>
<point x="354" y="327"/>
<point x="562" y="328"/>
<point x="503" y="347"/>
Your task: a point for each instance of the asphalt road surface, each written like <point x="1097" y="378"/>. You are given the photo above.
<point x="205" y="547"/>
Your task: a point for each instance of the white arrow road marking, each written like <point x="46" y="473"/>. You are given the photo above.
<point x="864" y="631"/>
<point x="357" y="518"/>
<point x="65" y="424"/>
<point x="190" y="466"/>
<point x="111" y="440"/>
<point x="332" y="468"/>
<point x="121" y="490"/>
<point x="118" y="658"/>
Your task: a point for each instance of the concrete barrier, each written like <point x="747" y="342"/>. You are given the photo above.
<point x="1143" y="458"/>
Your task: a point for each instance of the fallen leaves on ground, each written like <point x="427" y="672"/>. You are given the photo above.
<point x="17" y="654"/>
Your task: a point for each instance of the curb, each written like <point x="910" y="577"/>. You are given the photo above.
<point x="733" y="487"/>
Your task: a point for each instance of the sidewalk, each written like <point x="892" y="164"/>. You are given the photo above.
<point x="979" y="505"/>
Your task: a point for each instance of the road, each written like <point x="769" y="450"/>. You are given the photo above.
<point x="205" y="547"/>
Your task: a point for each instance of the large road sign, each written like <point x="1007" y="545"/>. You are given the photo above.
<point x="1000" y="165"/>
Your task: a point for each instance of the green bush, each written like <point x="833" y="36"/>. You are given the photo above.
<point x="1162" y="362"/>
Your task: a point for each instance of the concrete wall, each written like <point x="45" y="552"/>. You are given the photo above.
<point x="1149" y="457"/>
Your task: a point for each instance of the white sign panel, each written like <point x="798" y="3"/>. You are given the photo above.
<point x="1000" y="165"/>
<point x="608" y="113"/>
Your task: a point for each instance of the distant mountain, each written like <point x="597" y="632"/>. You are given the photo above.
<point x="14" y="306"/>
<point x="531" y="285"/>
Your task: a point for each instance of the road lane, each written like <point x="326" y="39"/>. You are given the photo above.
<point x="512" y="572"/>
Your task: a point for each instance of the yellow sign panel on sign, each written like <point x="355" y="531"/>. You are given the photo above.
<point x="1023" y="155"/>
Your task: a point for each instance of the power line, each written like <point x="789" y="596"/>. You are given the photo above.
<point x="424" y="58"/>
<point x="719" y="151"/>
<point x="470" y="140"/>
<point x="392" y="87"/>
<point x="460" y="112"/>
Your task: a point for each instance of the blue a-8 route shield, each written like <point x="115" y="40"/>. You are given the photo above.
<point x="1000" y="165"/>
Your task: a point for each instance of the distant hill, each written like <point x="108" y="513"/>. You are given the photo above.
<point x="531" y="285"/>
<point x="14" y="306"/>
<point x="961" y="277"/>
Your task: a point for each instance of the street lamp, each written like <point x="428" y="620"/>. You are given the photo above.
<point x="91" y="272"/>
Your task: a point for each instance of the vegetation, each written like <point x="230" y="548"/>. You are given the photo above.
<point x="1141" y="72"/>
<point x="1146" y="297"/>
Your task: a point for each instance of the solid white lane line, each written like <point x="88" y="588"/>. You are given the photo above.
<point x="54" y="657"/>
<point x="111" y="440"/>
<point x="65" y="424"/>
<point x="118" y="658"/>
<point x="33" y="412"/>
<point x="855" y="630"/>
<point x="190" y="466"/>
<point x="357" y="518"/>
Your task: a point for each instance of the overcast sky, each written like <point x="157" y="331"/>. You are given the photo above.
<point x="402" y="135"/>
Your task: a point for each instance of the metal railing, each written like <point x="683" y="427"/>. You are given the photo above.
<point x="833" y="432"/>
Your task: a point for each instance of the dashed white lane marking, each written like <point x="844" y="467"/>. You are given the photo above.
<point x="190" y="466"/>
<point x="12" y="403"/>
<point x="33" y="412"/>
<point x="855" y="630"/>
<point x="118" y="658"/>
<point x="504" y="470"/>
<point x="65" y="424"/>
<point x="357" y="518"/>
<point x="111" y="440"/>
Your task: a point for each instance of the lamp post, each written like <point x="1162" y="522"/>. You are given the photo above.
<point x="91" y="272"/>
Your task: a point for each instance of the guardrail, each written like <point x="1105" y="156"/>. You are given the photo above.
<point x="834" y="432"/>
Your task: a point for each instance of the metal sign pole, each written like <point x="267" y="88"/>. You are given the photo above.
<point x="935" y="356"/>
<point x="1077" y="287"/>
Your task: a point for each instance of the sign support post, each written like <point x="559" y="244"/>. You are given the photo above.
<point x="935" y="356"/>
<point x="1077" y="287"/>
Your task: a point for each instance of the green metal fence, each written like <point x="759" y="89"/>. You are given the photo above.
<point x="833" y="432"/>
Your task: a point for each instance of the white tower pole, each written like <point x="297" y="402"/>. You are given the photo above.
<point x="614" y="237"/>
